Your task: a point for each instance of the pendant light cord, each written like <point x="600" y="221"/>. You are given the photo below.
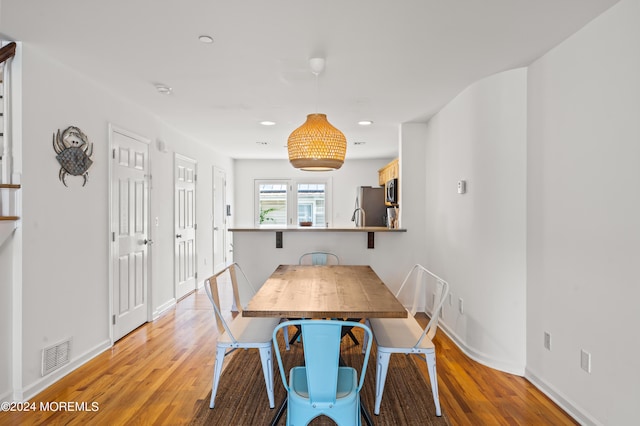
<point x="317" y="90"/>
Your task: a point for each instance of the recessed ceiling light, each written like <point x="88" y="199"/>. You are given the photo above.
<point x="365" y="122"/>
<point x="262" y="143"/>
<point x="163" y="89"/>
<point x="268" y="123"/>
<point x="359" y="143"/>
<point x="205" y="39"/>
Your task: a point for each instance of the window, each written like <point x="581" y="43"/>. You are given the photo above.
<point x="291" y="202"/>
<point x="311" y="200"/>
<point x="272" y="202"/>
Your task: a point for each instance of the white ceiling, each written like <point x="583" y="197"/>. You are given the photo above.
<point x="386" y="61"/>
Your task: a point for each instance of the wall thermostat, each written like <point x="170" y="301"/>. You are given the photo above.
<point x="462" y="186"/>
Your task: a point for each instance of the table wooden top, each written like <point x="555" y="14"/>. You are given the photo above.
<point x="314" y="291"/>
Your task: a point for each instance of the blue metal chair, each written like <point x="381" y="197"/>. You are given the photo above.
<point x="322" y="386"/>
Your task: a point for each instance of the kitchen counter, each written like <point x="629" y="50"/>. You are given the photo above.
<point x="370" y="230"/>
<point x="317" y="229"/>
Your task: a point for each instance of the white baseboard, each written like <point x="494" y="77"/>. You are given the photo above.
<point x="43" y="383"/>
<point x="567" y="405"/>
<point x="163" y="308"/>
<point x="480" y="357"/>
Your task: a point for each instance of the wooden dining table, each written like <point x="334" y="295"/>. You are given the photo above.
<point x="324" y="291"/>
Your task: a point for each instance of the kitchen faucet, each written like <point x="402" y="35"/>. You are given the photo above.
<point x="355" y="219"/>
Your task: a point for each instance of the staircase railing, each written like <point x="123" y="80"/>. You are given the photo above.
<point x="7" y="52"/>
<point x="9" y="202"/>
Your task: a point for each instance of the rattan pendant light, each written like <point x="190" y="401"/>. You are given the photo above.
<point x="317" y="145"/>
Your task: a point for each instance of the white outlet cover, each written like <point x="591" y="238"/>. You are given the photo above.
<point x="462" y="186"/>
<point x="585" y="361"/>
<point x="547" y="341"/>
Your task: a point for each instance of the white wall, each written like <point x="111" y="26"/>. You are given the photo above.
<point x="412" y="192"/>
<point x="65" y="231"/>
<point x="391" y="258"/>
<point x="10" y="241"/>
<point x="162" y="208"/>
<point x="583" y="228"/>
<point x="6" y="272"/>
<point x="476" y="241"/>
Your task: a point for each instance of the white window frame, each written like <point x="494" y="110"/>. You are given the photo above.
<point x="292" y="199"/>
<point x="256" y="208"/>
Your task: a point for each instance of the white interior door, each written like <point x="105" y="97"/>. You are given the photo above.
<point x="130" y="227"/>
<point x="219" y="219"/>
<point x="185" y="226"/>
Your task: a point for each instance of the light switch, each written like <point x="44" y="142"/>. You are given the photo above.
<point x="462" y="186"/>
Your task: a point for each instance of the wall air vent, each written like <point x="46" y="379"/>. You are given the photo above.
<point x="56" y="356"/>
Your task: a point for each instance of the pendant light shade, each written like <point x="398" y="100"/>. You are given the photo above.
<point x="317" y="145"/>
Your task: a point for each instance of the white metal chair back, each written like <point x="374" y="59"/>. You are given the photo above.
<point x="239" y="332"/>
<point x="406" y="335"/>
<point x="319" y="258"/>
<point x="419" y="296"/>
<point x="242" y="290"/>
<point x="211" y="288"/>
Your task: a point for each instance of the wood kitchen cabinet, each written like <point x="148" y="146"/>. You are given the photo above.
<point x="388" y="172"/>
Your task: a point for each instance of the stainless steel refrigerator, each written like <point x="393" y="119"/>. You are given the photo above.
<point x="371" y="200"/>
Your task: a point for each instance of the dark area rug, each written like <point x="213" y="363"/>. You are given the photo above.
<point x="242" y="397"/>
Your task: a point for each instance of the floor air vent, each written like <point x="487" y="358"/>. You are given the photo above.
<point x="56" y="356"/>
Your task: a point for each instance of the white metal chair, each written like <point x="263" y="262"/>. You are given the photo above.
<point x="240" y="332"/>
<point x="406" y="336"/>
<point x="322" y="386"/>
<point x="319" y="258"/>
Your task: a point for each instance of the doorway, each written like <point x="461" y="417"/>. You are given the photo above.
<point x="185" y="226"/>
<point x="129" y="231"/>
<point x="219" y="219"/>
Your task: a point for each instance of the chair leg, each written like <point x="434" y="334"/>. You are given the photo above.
<point x="381" y="377"/>
<point x="433" y="378"/>
<point x="285" y="333"/>
<point x="366" y="336"/>
<point x="217" y="369"/>
<point x="267" y="370"/>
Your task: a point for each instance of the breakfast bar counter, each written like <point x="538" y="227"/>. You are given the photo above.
<point x="370" y="230"/>
<point x="316" y="229"/>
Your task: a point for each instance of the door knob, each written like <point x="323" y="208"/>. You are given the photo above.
<point x="147" y="241"/>
<point x="178" y="235"/>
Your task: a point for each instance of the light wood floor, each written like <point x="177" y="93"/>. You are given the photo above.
<point x="158" y="373"/>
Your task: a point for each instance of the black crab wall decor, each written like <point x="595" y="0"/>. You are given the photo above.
<point x="74" y="153"/>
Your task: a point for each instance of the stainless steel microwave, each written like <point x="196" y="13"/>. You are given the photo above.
<point x="391" y="192"/>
